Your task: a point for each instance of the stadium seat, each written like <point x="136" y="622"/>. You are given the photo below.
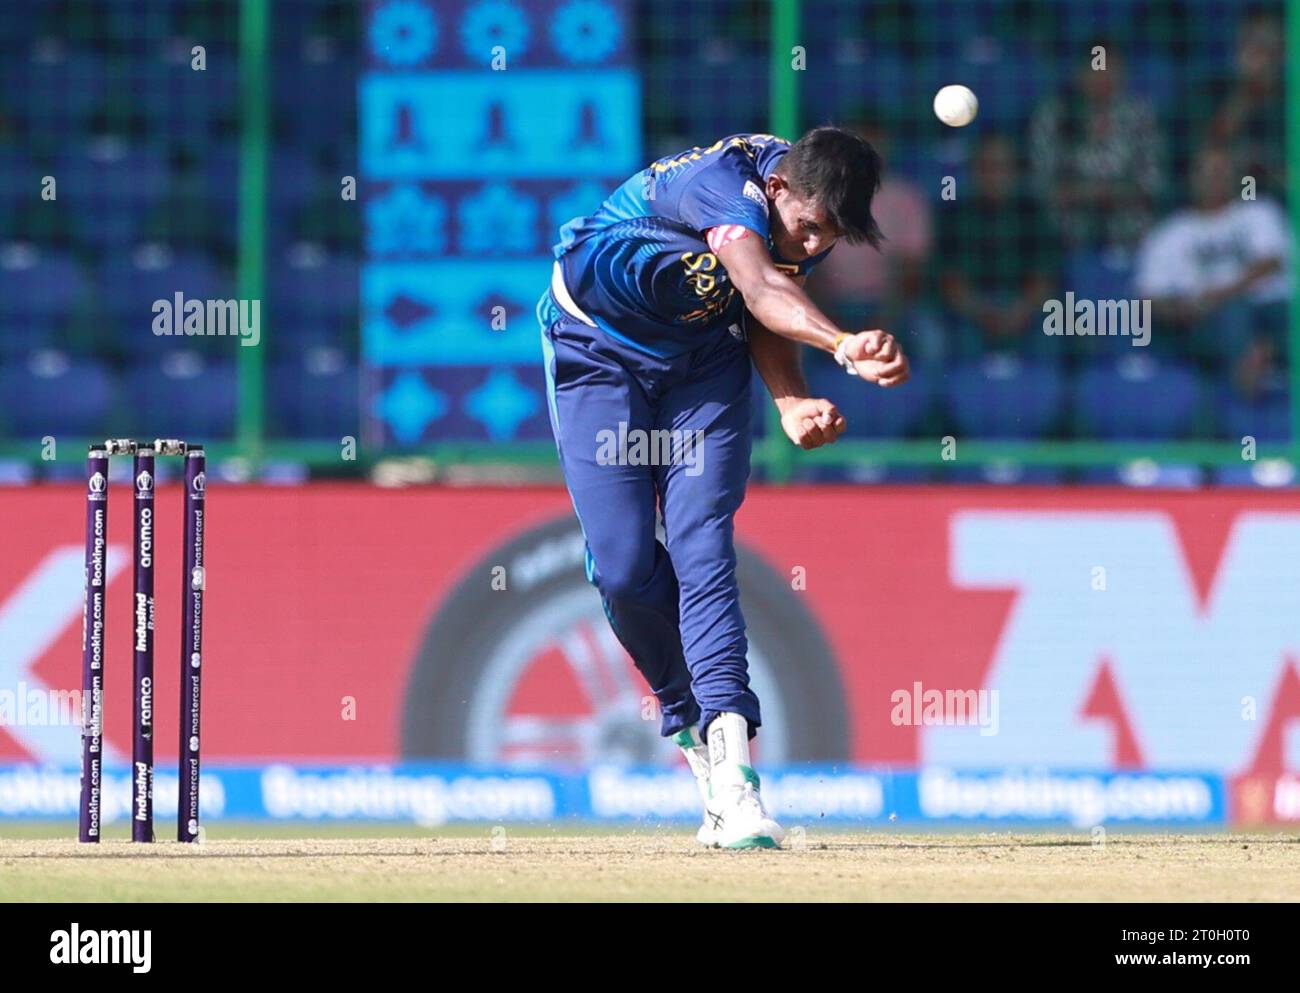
<point x="1005" y="473"/>
<point x="1004" y="397"/>
<point x="39" y="292"/>
<point x="861" y="474"/>
<point x="870" y="411"/>
<point x="292" y="177"/>
<point x="18" y="178"/>
<point x="209" y="97"/>
<point x="887" y="77"/>
<point x="219" y="163"/>
<point x="327" y="220"/>
<point x="1266" y="419"/>
<point x="1266" y="473"/>
<point x="712" y="117"/>
<point x="1137" y="398"/>
<point x="312" y="285"/>
<point x="322" y="103"/>
<point x="291" y="338"/>
<point x="1095" y="275"/>
<point x="70" y="83"/>
<point x="123" y="20"/>
<point x="315" y="394"/>
<point x="185" y="392"/>
<point x="16" y="30"/>
<point x="1146" y="473"/>
<point x="291" y="26"/>
<point x="50" y="393"/>
<point x="108" y="187"/>
<point x="156" y="96"/>
<point x="130" y="283"/>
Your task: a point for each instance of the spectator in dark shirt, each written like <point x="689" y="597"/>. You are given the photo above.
<point x="997" y="261"/>
<point x="1098" y="157"/>
<point x="1246" y="108"/>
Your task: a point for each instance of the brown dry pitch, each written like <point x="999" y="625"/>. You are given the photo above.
<point x="502" y="864"/>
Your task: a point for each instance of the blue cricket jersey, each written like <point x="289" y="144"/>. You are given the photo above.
<point x="640" y="267"/>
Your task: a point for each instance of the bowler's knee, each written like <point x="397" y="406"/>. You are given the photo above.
<point x="621" y="573"/>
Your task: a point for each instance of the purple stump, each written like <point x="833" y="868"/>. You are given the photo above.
<point x="92" y="644"/>
<point x="142" y="716"/>
<point x="192" y="583"/>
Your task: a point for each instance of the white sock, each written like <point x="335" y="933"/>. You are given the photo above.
<point x="697" y="756"/>
<point x="729" y="741"/>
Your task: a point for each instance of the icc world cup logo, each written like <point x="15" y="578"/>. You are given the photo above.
<point x="97" y="483"/>
<point x="200" y="483"/>
<point x="144" y="484"/>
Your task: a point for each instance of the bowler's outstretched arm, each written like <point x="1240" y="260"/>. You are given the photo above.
<point x="782" y="306"/>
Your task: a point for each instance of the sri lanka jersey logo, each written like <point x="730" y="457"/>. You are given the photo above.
<point x="708" y="282"/>
<point x="699" y="267"/>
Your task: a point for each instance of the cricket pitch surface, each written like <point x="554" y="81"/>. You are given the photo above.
<point x="597" y="864"/>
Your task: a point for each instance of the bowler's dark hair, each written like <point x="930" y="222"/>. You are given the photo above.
<point x="840" y="171"/>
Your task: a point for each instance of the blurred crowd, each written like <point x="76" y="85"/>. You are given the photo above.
<point x="1096" y="195"/>
<point x="1155" y="175"/>
<point x="141" y="136"/>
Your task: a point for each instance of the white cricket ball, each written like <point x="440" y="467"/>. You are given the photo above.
<point x="956" y="105"/>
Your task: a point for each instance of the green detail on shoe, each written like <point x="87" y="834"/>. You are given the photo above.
<point x="683" y="739"/>
<point x="757" y="841"/>
<point x="750" y="775"/>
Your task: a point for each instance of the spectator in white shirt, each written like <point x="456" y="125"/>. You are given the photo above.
<point x="1217" y="270"/>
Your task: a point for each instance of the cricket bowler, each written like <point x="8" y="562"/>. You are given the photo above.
<point x="659" y="302"/>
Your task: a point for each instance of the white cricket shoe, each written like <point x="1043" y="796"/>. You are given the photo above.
<point x="735" y="816"/>
<point x="707" y="835"/>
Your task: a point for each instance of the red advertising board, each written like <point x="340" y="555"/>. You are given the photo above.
<point x="1107" y="629"/>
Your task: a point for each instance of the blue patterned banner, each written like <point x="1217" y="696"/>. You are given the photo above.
<point x="485" y="125"/>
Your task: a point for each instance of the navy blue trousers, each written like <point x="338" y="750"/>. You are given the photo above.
<point x="674" y="605"/>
